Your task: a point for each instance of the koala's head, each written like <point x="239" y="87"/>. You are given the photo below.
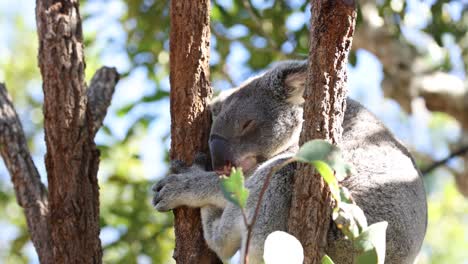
<point x="259" y="119"/>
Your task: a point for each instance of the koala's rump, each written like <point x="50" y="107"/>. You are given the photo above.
<point x="386" y="185"/>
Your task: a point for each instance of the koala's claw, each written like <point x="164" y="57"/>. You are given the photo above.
<point x="167" y="193"/>
<point x="156" y="200"/>
<point x="157" y="187"/>
<point x="159" y="202"/>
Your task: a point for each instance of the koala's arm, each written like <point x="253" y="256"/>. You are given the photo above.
<point x="225" y="231"/>
<point x="193" y="187"/>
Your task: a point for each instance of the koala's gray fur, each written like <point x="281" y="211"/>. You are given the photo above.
<point x="257" y="126"/>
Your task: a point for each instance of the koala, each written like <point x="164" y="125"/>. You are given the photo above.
<point x="257" y="126"/>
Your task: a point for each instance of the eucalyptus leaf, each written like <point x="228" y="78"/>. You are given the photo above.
<point x="233" y="188"/>
<point x="327" y="260"/>
<point x="371" y="243"/>
<point x="357" y="214"/>
<point x="321" y="150"/>
<point x="327" y="174"/>
<point x="368" y="257"/>
<point x="316" y="150"/>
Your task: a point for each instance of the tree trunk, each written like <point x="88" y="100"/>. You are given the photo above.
<point x="325" y="103"/>
<point x="63" y="223"/>
<point x="72" y="158"/>
<point x="190" y="126"/>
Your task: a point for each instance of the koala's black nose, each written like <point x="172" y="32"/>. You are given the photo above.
<point x="220" y="152"/>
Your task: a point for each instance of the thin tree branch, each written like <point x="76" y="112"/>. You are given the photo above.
<point x="251" y="225"/>
<point x="100" y="94"/>
<point x="30" y="192"/>
<point x="459" y="152"/>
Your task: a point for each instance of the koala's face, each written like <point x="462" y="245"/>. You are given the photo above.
<point x="258" y="120"/>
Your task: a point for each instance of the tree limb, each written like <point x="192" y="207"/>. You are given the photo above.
<point x="405" y="78"/>
<point x="459" y="152"/>
<point x="30" y="192"/>
<point x="99" y="95"/>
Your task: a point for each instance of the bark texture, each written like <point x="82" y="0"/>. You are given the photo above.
<point x="63" y="223"/>
<point x="30" y="192"/>
<point x="190" y="126"/>
<point x="72" y="158"/>
<point x="332" y="28"/>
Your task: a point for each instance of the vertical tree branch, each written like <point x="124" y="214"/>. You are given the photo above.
<point x="30" y="192"/>
<point x="190" y="92"/>
<point x="99" y="96"/>
<point x="325" y="103"/>
<point x="72" y="158"/>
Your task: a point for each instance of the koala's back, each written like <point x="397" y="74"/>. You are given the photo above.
<point x="386" y="185"/>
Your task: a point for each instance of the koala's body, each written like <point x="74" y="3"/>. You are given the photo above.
<point x="257" y="126"/>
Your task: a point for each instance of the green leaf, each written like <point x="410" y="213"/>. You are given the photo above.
<point x="315" y="150"/>
<point x="321" y="150"/>
<point x="158" y="95"/>
<point x="327" y="260"/>
<point x="233" y="188"/>
<point x="368" y="257"/>
<point x="345" y="195"/>
<point x="352" y="58"/>
<point x="350" y="219"/>
<point x="121" y="112"/>
<point x="371" y="243"/>
<point x="329" y="177"/>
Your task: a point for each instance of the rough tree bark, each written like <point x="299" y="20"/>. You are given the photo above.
<point x="190" y="118"/>
<point x="332" y="28"/>
<point x="63" y="223"/>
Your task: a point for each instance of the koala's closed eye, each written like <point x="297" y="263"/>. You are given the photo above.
<point x="248" y="126"/>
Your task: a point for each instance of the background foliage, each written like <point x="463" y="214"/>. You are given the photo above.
<point x="247" y="35"/>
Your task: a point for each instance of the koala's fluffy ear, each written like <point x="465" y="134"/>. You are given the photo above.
<point x="216" y="103"/>
<point x="288" y="79"/>
<point x="294" y="84"/>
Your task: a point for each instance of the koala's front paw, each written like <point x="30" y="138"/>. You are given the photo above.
<point x="169" y="193"/>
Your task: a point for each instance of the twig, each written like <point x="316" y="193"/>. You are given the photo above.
<point x="259" y="202"/>
<point x="249" y="228"/>
<point x="436" y="164"/>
